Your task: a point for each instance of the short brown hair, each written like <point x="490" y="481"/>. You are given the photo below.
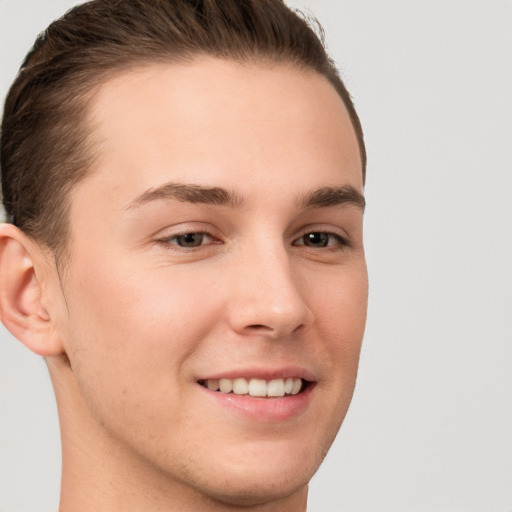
<point x="45" y="149"/>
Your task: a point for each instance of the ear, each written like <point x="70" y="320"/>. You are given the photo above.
<point x="23" y="268"/>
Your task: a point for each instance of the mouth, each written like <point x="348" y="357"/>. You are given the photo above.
<point x="259" y="388"/>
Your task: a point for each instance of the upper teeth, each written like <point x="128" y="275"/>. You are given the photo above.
<point x="255" y="387"/>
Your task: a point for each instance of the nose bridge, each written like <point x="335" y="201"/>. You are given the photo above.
<point x="269" y="297"/>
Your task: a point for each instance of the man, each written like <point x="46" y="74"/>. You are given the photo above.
<point x="184" y="182"/>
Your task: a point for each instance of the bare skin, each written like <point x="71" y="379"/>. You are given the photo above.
<point x="218" y="236"/>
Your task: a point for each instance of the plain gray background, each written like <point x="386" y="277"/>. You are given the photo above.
<point x="430" y="427"/>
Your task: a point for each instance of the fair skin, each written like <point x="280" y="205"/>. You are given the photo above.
<point x="171" y="284"/>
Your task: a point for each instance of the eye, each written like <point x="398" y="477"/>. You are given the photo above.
<point x="189" y="240"/>
<point x="320" y="239"/>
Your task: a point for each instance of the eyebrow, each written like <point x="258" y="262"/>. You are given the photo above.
<point x="190" y="194"/>
<point x="333" y="196"/>
<point x="321" y="198"/>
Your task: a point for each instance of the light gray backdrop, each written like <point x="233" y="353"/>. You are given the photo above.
<point x="430" y="428"/>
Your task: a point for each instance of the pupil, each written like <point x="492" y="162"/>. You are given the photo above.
<point x="317" y="239"/>
<point x="190" y="240"/>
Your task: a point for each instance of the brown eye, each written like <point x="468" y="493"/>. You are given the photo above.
<point x="316" y="239"/>
<point x="320" y="239"/>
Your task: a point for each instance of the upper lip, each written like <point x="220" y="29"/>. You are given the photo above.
<point x="261" y="372"/>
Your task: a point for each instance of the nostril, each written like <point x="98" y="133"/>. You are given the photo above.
<point x="267" y="330"/>
<point x="260" y="329"/>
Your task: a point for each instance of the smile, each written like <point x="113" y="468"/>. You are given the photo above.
<point x="256" y="387"/>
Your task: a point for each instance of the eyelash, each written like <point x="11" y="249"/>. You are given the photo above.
<point x="339" y="241"/>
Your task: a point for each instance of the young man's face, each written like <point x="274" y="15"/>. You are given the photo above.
<point x="218" y="237"/>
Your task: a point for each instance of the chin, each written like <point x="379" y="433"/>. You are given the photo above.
<point x="256" y="489"/>
<point x="263" y="477"/>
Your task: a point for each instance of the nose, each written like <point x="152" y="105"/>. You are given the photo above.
<point x="269" y="297"/>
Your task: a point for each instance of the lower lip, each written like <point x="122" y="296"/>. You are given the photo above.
<point x="265" y="409"/>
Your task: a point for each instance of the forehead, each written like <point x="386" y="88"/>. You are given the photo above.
<point x="214" y="122"/>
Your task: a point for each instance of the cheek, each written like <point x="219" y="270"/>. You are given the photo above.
<point x="341" y="316"/>
<point x="136" y="307"/>
<point x="132" y="333"/>
<point x="341" y="305"/>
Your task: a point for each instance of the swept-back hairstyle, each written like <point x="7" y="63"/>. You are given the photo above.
<point x="45" y="147"/>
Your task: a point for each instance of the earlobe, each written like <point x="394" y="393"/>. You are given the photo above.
<point x="21" y="304"/>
